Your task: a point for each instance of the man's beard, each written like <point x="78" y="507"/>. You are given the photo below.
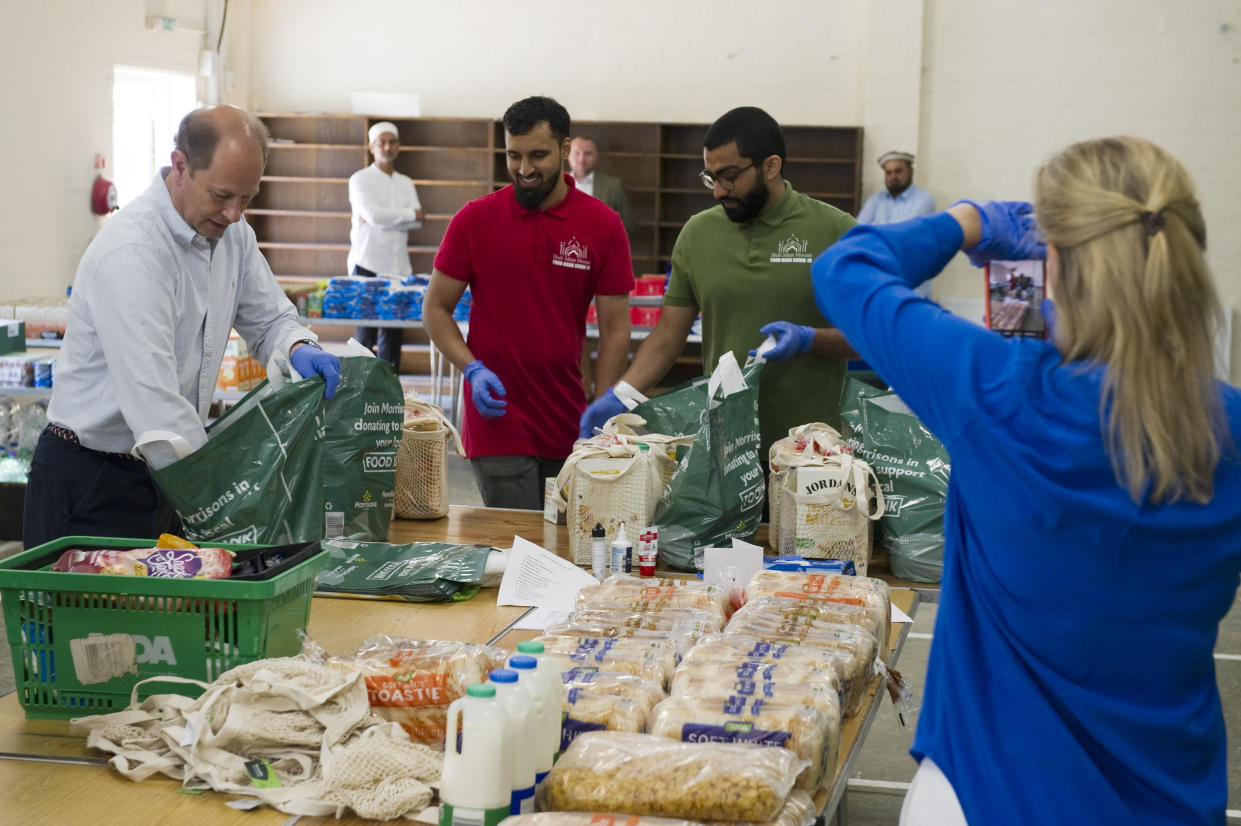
<point x="749" y="206"/>
<point x="531" y="197"/>
<point x="897" y="189"/>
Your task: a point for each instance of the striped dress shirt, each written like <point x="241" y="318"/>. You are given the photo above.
<point x="152" y="305"/>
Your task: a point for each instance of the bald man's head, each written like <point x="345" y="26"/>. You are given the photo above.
<point x="202" y="130"/>
<point x="216" y="167"/>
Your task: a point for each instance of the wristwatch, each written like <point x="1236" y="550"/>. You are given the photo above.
<point x="309" y="341"/>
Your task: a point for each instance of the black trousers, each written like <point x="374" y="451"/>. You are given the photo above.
<point x="73" y="490"/>
<point x="390" y="338"/>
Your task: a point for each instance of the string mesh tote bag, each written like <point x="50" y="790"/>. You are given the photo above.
<point x="295" y="734"/>
<point x="422" y="461"/>
<point x="609" y="478"/>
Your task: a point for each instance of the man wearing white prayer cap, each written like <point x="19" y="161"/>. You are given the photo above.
<point x="900" y="199"/>
<point x="385" y="208"/>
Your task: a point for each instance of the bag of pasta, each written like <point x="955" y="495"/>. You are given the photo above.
<point x="641" y="774"/>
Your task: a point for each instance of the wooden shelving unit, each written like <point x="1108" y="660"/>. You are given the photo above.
<point x="301" y="215"/>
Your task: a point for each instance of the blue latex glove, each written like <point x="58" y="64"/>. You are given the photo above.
<point x="487" y="390"/>
<point x="598" y="412"/>
<point x="1009" y="233"/>
<point x="309" y="360"/>
<point x="791" y="339"/>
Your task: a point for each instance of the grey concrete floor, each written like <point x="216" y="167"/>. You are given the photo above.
<point x="885" y="754"/>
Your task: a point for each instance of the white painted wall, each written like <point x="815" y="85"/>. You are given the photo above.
<point x="56" y="58"/>
<point x="1009" y="82"/>
<point x="982" y="92"/>
<point x="663" y="60"/>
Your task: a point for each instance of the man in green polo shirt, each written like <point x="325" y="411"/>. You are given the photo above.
<point x="745" y="263"/>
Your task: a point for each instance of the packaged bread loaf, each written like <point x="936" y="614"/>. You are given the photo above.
<point x="585" y="710"/>
<point x="645" y="693"/>
<point x="688" y="593"/>
<point x="855" y="642"/>
<point x="653" y="659"/>
<point x="750" y="658"/>
<point x="411" y="682"/>
<point x="874" y="594"/>
<point x="680" y="626"/>
<point x="642" y="774"/>
<point x="737" y="720"/>
<point x="790" y="686"/>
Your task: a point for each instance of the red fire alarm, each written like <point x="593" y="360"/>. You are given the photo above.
<point x="103" y="192"/>
<point x="102" y="196"/>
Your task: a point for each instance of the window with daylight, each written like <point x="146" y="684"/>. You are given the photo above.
<point x="147" y="106"/>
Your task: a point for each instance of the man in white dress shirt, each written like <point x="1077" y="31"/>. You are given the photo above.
<point x="154" y="298"/>
<point x="385" y="208"/>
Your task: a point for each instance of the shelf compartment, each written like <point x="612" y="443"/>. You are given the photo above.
<point x="338" y="162"/>
<point x="343" y="130"/>
<point x="302" y="194"/>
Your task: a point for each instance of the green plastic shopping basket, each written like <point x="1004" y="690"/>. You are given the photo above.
<point x="194" y="628"/>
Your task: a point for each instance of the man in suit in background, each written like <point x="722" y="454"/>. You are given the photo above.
<point x="583" y="156"/>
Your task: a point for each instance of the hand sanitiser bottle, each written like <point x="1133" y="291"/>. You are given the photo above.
<point x="476" y="781"/>
<point x="622" y="552"/>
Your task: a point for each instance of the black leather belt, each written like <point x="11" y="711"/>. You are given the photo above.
<point x="71" y="437"/>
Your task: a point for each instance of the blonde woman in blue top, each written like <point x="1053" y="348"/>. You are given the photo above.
<point x="1093" y="523"/>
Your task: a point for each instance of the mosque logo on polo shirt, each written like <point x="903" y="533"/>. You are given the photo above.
<point x="792" y="250"/>
<point x="573" y="254"/>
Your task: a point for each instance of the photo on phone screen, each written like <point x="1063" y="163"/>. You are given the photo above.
<point x="1015" y="293"/>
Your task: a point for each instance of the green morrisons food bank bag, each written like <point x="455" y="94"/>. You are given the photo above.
<point x="416" y="572"/>
<point x="259" y="477"/>
<point x="912" y="467"/>
<point x="363" y="433"/>
<point x="718" y="489"/>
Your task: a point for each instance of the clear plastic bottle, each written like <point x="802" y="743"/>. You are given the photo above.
<point x="545" y="710"/>
<point x="12" y="469"/>
<point x="475" y="783"/>
<point x="622" y="552"/>
<point x="520" y="725"/>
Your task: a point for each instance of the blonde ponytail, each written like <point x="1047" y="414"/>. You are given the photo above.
<point x="1133" y="293"/>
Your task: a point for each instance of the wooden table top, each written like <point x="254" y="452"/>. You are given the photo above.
<point x="74" y="778"/>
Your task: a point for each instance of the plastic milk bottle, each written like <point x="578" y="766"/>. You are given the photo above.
<point x="522" y="732"/>
<point x="546" y="711"/>
<point x="475" y="784"/>
<point x="553" y="683"/>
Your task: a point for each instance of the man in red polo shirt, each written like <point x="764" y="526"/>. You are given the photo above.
<point x="533" y="254"/>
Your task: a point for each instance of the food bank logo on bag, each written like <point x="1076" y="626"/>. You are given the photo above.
<point x="792" y="250"/>
<point x="573" y="254"/>
<point x="376" y="462"/>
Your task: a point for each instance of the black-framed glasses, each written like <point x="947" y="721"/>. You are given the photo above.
<point x="726" y="178"/>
